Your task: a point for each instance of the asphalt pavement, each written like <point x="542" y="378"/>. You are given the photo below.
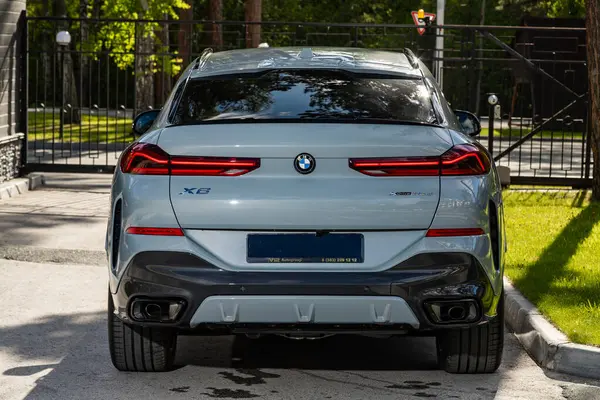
<point x="53" y="345"/>
<point x="53" y="336"/>
<point x="62" y="222"/>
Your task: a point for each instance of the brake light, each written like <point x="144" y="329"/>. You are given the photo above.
<point x="407" y="166"/>
<point x="149" y="159"/>
<point x="463" y="159"/>
<point x="145" y="159"/>
<point x="138" y="230"/>
<point x="455" y="232"/>
<point x="213" y="166"/>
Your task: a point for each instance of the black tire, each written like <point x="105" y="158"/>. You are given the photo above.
<point x="476" y="350"/>
<point x="138" y="349"/>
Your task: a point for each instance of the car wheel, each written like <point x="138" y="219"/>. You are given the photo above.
<point x="139" y="349"/>
<point x="474" y="350"/>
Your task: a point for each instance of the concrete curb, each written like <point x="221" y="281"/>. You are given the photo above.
<point x="19" y="186"/>
<point x="548" y="347"/>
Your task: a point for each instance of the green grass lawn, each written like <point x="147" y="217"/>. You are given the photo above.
<point x="516" y="133"/>
<point x="93" y="128"/>
<point x="554" y="257"/>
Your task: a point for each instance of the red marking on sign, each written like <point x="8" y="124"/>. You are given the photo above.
<point x="415" y="17"/>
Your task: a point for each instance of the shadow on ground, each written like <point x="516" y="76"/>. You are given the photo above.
<point x="68" y="213"/>
<point x="551" y="264"/>
<point x="98" y="183"/>
<point x="225" y="367"/>
<point x="239" y="368"/>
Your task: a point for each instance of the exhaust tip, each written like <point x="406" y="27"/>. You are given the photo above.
<point x="156" y="310"/>
<point x="153" y="310"/>
<point x="453" y="311"/>
<point x="457" y="312"/>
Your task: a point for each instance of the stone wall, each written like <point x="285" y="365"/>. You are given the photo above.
<point x="10" y="156"/>
<point x="10" y="137"/>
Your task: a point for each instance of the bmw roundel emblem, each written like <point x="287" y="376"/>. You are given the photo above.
<point x="304" y="163"/>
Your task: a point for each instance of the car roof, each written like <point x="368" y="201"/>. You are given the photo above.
<point x="345" y="58"/>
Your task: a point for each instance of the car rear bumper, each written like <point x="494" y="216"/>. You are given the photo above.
<point x="401" y="299"/>
<point x="304" y="309"/>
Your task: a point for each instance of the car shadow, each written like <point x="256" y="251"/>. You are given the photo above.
<point x="344" y="352"/>
<point x="67" y="357"/>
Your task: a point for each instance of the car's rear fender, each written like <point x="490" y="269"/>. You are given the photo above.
<point x="136" y="201"/>
<point x="468" y="202"/>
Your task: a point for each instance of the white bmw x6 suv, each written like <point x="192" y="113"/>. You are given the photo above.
<point x="306" y="192"/>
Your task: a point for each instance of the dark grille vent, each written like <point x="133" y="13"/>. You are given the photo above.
<point x="116" y="234"/>
<point x="494" y="234"/>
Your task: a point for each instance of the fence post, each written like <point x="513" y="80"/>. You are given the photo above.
<point x="135" y="68"/>
<point x="587" y="141"/>
<point x="22" y="81"/>
<point x="492" y="101"/>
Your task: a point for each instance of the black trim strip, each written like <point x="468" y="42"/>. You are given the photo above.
<point x="362" y="121"/>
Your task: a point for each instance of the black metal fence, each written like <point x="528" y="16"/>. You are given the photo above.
<point x="82" y="95"/>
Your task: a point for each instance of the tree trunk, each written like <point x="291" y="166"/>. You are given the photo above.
<point x="48" y="64"/>
<point x="68" y="89"/>
<point x="184" y="40"/>
<point x="253" y="9"/>
<point x="88" y="32"/>
<point x="144" y="76"/>
<point x="70" y="102"/>
<point x="84" y="60"/>
<point x="593" y="62"/>
<point x="215" y="13"/>
<point x="162" y="78"/>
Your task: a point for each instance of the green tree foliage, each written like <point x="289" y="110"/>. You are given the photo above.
<point x="120" y="37"/>
<point x="498" y="12"/>
<point x="549" y="8"/>
<point x="120" y="40"/>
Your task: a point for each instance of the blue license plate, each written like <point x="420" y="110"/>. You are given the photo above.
<point x="305" y="248"/>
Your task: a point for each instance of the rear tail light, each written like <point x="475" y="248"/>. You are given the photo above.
<point x="145" y="159"/>
<point x="421" y="166"/>
<point x="463" y="159"/>
<point x="455" y="232"/>
<point x="149" y="159"/>
<point x="212" y="166"/>
<point x="138" y="230"/>
<point x="466" y="159"/>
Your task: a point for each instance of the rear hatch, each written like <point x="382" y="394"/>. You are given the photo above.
<point x="333" y="196"/>
<point x="274" y="116"/>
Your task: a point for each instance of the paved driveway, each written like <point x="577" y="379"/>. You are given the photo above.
<point x="53" y="345"/>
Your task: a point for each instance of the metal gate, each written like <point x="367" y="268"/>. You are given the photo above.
<point x="82" y="96"/>
<point x="550" y="144"/>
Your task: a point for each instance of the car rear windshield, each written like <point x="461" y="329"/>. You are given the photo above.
<point x="281" y="95"/>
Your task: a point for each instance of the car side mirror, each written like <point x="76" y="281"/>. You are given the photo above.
<point x="469" y="122"/>
<point x="144" y="121"/>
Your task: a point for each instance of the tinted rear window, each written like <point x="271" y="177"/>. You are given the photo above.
<point x="304" y="95"/>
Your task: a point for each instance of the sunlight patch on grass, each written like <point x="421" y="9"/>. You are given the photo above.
<point x="516" y="133"/>
<point x="554" y="257"/>
<point x="93" y="128"/>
